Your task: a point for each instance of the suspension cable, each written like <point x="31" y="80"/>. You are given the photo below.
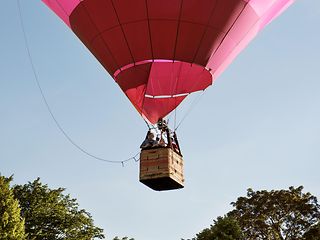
<point x="192" y="106"/>
<point x="26" y="43"/>
<point x="148" y="125"/>
<point x="175" y="118"/>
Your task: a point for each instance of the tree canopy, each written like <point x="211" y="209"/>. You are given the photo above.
<point x="224" y="228"/>
<point x="277" y="214"/>
<point x="51" y="215"/>
<point x="124" y="238"/>
<point x="11" y="224"/>
<point x="268" y="215"/>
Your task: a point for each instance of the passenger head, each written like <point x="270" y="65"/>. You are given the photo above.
<point x="150" y="136"/>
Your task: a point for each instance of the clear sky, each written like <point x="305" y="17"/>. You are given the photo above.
<point x="258" y="126"/>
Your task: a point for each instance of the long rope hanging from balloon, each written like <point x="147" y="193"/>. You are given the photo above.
<point x="135" y="157"/>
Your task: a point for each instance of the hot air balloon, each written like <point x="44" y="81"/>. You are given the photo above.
<point x="160" y="51"/>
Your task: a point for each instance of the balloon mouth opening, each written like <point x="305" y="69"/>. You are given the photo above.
<point x="126" y="67"/>
<point x="157" y="87"/>
<point x="164" y="78"/>
<point x="167" y="96"/>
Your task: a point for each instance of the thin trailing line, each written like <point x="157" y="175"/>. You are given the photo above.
<point x="135" y="157"/>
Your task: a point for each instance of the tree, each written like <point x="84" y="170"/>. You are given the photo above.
<point x="224" y="228"/>
<point x="11" y="224"/>
<point x="313" y="233"/>
<point x="277" y="215"/>
<point x="124" y="238"/>
<point x="51" y="215"/>
<point x="263" y="215"/>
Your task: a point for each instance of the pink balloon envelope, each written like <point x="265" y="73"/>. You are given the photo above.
<point x="160" y="51"/>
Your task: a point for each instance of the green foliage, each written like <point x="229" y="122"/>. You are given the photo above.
<point x="124" y="238"/>
<point x="11" y="224"/>
<point x="313" y="233"/>
<point x="51" y="215"/>
<point x="268" y="215"/>
<point x="277" y="215"/>
<point x="224" y="228"/>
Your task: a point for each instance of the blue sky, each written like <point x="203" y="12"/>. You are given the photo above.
<point x="258" y="126"/>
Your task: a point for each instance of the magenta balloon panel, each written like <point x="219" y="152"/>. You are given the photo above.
<point x="160" y="51"/>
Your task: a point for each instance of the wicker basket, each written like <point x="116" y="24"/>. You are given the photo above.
<point x="161" y="169"/>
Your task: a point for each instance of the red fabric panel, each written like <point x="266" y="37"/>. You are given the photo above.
<point x="164" y="9"/>
<point x="161" y="79"/>
<point x="189" y="37"/>
<point x="104" y="17"/>
<point x="130" y="11"/>
<point x="103" y="54"/>
<point x="87" y="21"/>
<point x="151" y="108"/>
<point x="245" y="22"/>
<point x="82" y="26"/>
<point x="195" y="12"/>
<point x="210" y="42"/>
<point x="163" y="16"/>
<point x="225" y="13"/>
<point x="139" y="43"/>
<point x="135" y="28"/>
<point x="121" y="33"/>
<point x="168" y="78"/>
<point x="155" y="108"/>
<point x="126" y="33"/>
<point x="136" y="96"/>
<point x="223" y="16"/>
<point x="163" y="37"/>
<point x="130" y="37"/>
<point x="134" y="77"/>
<point x="192" y="30"/>
<point x="117" y="44"/>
